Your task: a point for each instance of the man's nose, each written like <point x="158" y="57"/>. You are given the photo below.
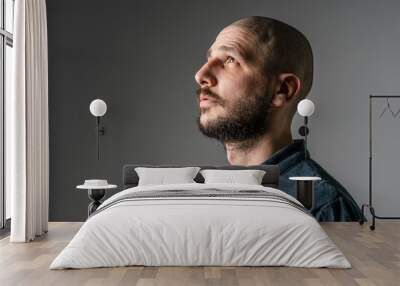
<point x="205" y="76"/>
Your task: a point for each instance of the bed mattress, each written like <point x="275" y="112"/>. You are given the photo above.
<point x="201" y="225"/>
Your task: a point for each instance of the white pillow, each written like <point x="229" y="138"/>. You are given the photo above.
<point x="248" y="177"/>
<point x="161" y="176"/>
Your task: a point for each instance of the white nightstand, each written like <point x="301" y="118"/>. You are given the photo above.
<point x="305" y="190"/>
<point x="96" y="190"/>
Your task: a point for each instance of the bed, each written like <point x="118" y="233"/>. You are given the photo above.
<point x="201" y="224"/>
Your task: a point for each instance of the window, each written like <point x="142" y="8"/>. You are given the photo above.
<point x="6" y="63"/>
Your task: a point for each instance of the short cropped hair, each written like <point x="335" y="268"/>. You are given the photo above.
<point x="286" y="50"/>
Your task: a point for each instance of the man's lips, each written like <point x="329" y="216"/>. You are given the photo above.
<point x="206" y="101"/>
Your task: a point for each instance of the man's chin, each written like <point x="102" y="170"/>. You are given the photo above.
<point x="211" y="114"/>
<point x="206" y="118"/>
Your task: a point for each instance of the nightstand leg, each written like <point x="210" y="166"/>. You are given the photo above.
<point x="305" y="193"/>
<point x="93" y="207"/>
<point x="95" y="196"/>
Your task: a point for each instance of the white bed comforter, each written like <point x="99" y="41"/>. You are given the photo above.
<point x="200" y="231"/>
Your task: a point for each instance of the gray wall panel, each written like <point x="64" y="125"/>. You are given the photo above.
<point x="141" y="57"/>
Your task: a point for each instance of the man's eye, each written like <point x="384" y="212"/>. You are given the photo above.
<point x="229" y="60"/>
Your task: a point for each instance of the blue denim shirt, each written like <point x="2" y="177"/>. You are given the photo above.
<point x="332" y="201"/>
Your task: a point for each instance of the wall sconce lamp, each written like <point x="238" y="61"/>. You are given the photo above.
<point x="305" y="108"/>
<point x="98" y="108"/>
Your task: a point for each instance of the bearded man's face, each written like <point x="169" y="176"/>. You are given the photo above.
<point x="234" y="94"/>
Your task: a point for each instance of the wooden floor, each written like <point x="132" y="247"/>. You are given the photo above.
<point x="374" y="255"/>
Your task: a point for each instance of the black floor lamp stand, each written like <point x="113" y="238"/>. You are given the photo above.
<point x="370" y="204"/>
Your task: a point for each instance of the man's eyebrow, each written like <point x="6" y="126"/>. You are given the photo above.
<point x="234" y="50"/>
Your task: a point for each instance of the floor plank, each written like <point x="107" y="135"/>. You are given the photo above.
<point x="374" y="255"/>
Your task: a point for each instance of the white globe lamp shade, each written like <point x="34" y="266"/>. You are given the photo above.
<point x="98" y="107"/>
<point x="305" y="107"/>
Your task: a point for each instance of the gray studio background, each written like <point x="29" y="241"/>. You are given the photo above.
<point x="141" y="57"/>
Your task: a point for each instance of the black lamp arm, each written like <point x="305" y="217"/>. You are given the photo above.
<point x="304" y="131"/>
<point x="100" y="131"/>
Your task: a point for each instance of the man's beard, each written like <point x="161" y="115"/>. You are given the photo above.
<point x="247" y="119"/>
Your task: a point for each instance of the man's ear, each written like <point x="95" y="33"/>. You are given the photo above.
<point x="288" y="87"/>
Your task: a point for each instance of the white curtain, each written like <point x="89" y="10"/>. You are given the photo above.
<point x="27" y="143"/>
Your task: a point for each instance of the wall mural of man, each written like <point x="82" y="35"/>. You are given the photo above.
<point x="257" y="71"/>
